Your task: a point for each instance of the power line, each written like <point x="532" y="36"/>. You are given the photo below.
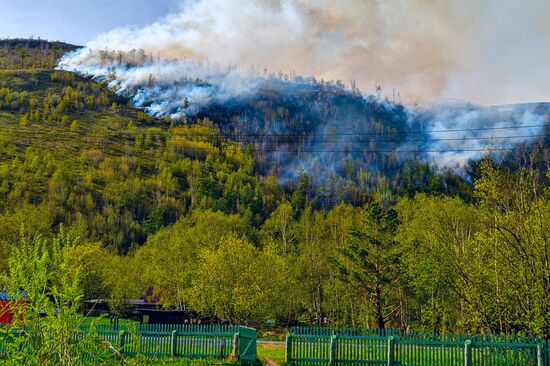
<point x="335" y="142"/>
<point x="394" y="141"/>
<point x="401" y="151"/>
<point x="397" y="133"/>
<point x="341" y="151"/>
<point x="68" y="137"/>
<point x="261" y="138"/>
<point x="231" y="135"/>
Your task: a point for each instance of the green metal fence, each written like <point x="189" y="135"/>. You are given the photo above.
<point x="164" y="340"/>
<point x="325" y="346"/>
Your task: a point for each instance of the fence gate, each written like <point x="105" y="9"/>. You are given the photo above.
<point x="247" y="344"/>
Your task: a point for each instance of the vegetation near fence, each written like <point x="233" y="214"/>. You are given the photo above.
<point x="162" y="340"/>
<point x="393" y="347"/>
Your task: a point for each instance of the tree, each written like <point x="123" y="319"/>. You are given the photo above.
<point x="74" y="126"/>
<point x="227" y="284"/>
<point x="24" y="121"/>
<point x="515" y="248"/>
<point x="437" y="237"/>
<point x="170" y="257"/>
<point x="150" y="81"/>
<point x="48" y="297"/>
<point x="369" y="262"/>
<point x="312" y="268"/>
<point x="278" y="225"/>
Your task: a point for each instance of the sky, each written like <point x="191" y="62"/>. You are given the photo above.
<point x="76" y="21"/>
<point x="485" y="51"/>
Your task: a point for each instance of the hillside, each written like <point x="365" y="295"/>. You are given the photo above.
<point x="336" y="134"/>
<point x="79" y="155"/>
<point x="31" y="53"/>
<point x="85" y="157"/>
<point x="73" y="152"/>
<point x="101" y="200"/>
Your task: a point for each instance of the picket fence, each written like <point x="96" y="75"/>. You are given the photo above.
<point x="164" y="340"/>
<point x="326" y="346"/>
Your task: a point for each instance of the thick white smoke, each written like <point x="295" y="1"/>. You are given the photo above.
<point x="489" y="52"/>
<point x="459" y="132"/>
<point x="162" y="87"/>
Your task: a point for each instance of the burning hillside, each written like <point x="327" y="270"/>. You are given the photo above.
<point x="299" y="123"/>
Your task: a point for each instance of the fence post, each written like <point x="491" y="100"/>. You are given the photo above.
<point x="540" y="356"/>
<point x="468" y="353"/>
<point x="391" y="351"/>
<point x="288" y="348"/>
<point x="235" y="354"/>
<point x="174" y="343"/>
<point x="222" y="349"/>
<point x="121" y="340"/>
<point x="333" y="356"/>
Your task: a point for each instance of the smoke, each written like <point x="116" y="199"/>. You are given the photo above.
<point x="161" y="87"/>
<point x="221" y="60"/>
<point x="456" y="133"/>
<point x="489" y="52"/>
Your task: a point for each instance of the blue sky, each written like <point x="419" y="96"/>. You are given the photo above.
<point x="76" y="21"/>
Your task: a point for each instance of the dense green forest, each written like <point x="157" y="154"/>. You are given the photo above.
<point x="150" y="203"/>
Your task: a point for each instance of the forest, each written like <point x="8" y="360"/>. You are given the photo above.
<point x="133" y="202"/>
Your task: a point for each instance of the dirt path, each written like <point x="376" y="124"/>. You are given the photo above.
<point x="272" y="343"/>
<point x="269" y="362"/>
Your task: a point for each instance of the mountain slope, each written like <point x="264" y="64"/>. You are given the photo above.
<point x="81" y="156"/>
<point x="74" y="152"/>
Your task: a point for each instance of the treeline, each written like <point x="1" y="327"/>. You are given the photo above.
<point x="31" y="53"/>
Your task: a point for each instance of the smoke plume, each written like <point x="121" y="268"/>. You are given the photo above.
<point x="488" y="52"/>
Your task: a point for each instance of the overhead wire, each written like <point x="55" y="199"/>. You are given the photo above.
<point x="68" y="136"/>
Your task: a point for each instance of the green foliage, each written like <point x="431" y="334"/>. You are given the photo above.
<point x="227" y="283"/>
<point x="370" y="259"/>
<point x="170" y="258"/>
<point x="47" y="297"/>
<point x="125" y="179"/>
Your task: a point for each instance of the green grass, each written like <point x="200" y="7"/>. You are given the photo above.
<point x="143" y="361"/>
<point x="105" y="320"/>
<point x="275" y="353"/>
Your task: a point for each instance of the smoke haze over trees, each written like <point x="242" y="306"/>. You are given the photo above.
<point x="300" y="123"/>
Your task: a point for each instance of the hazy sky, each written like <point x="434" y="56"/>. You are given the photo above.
<point x="485" y="51"/>
<point x="76" y="21"/>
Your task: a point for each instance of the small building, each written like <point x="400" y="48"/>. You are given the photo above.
<point x="11" y="305"/>
<point x="146" y="310"/>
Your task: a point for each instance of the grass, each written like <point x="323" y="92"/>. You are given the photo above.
<point x="105" y="320"/>
<point x="142" y="361"/>
<point x="272" y="352"/>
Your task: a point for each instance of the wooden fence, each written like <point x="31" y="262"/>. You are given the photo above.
<point x="324" y="346"/>
<point x="163" y="340"/>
